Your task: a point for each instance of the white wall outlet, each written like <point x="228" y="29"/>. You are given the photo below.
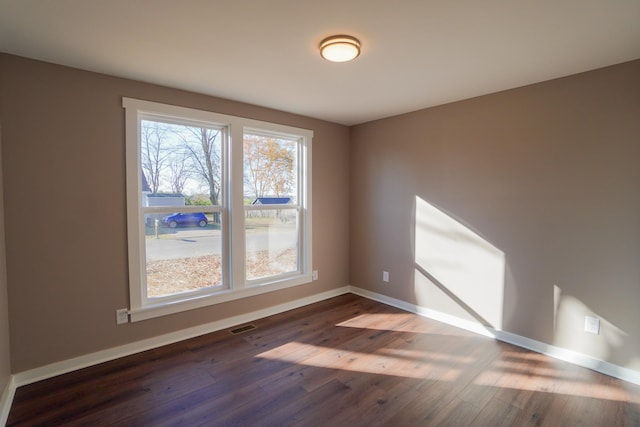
<point x="592" y="325"/>
<point x="314" y="275"/>
<point x="122" y="316"/>
<point x="385" y="276"/>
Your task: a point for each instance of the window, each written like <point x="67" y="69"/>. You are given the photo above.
<point x="218" y="207"/>
<point x="271" y="222"/>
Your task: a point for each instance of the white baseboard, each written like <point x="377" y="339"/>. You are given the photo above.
<point x="54" y="369"/>
<point x="560" y="353"/>
<point x="570" y="356"/>
<point x="6" y="399"/>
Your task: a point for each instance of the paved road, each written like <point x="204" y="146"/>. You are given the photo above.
<point x="191" y="242"/>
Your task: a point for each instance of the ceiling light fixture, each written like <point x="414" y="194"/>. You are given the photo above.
<point x="340" y="48"/>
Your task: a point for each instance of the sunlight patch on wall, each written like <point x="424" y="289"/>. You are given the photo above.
<point x="569" y="321"/>
<point x="457" y="271"/>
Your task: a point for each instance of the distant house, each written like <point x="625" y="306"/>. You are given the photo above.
<point x="285" y="215"/>
<point x="270" y="200"/>
<point x="158" y="199"/>
<point x="161" y="199"/>
<point x="165" y="199"/>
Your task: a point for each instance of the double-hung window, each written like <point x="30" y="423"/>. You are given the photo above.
<point x="218" y="207"/>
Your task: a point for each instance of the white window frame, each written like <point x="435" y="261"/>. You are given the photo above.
<point x="232" y="210"/>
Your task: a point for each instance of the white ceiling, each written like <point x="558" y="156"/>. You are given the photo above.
<point x="416" y="53"/>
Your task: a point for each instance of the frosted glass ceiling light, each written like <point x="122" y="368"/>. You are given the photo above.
<point x="340" y="48"/>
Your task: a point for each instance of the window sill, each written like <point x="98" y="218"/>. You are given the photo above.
<point x="176" y="306"/>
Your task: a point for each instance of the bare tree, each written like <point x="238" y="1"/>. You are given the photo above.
<point x="179" y="171"/>
<point x="154" y="152"/>
<point x="203" y="149"/>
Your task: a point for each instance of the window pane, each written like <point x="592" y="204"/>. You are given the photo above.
<point x="181" y="166"/>
<point x="270" y="169"/>
<point x="271" y="242"/>
<point x="183" y="254"/>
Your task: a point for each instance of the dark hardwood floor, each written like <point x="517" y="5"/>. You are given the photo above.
<point x="347" y="361"/>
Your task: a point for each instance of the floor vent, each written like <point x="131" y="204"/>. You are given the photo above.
<point x="241" y="329"/>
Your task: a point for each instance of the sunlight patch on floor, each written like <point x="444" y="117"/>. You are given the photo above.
<point x="549" y="381"/>
<point x="517" y="373"/>
<point x="387" y="322"/>
<point x="423" y="367"/>
<point x="421" y="355"/>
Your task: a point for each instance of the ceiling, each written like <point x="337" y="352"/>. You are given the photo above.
<point x="415" y="53"/>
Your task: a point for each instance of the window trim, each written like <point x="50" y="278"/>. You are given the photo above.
<point x="232" y="206"/>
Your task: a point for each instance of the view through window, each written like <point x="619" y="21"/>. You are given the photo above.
<point x="182" y="168"/>
<point x="271" y="219"/>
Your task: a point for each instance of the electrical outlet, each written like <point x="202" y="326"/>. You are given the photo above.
<point x="122" y="316"/>
<point x="592" y="325"/>
<point x="314" y="274"/>
<point x="385" y="276"/>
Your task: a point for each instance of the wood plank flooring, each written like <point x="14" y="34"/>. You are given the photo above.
<point x="347" y="361"/>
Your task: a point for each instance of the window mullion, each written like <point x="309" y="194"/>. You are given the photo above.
<point x="236" y="208"/>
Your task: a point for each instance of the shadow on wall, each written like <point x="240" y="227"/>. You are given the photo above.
<point x="457" y="271"/>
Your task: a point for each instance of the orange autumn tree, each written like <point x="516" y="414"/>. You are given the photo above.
<point x="268" y="166"/>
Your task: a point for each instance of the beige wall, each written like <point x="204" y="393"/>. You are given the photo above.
<point x="520" y="210"/>
<point x="64" y="175"/>
<point x="5" y="354"/>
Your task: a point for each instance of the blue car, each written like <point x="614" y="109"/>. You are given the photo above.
<point x="191" y="218"/>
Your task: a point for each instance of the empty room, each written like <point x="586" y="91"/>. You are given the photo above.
<point x="338" y="213"/>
